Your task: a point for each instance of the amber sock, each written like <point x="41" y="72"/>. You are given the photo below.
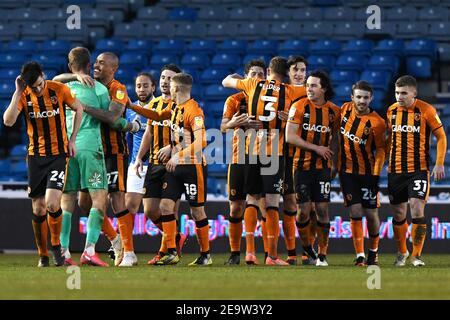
<point x="264" y="234"/>
<point x="169" y="225"/>
<point x="312" y="228"/>
<point x="54" y="220"/>
<point x="357" y="235"/>
<point x="250" y="221"/>
<point x="108" y="229"/>
<point x="125" y="219"/>
<point x="235" y="234"/>
<point x="289" y="231"/>
<point x="40" y="234"/>
<point x="202" y="230"/>
<point x="418" y="233"/>
<point x="273" y="230"/>
<point x="323" y="232"/>
<point x="400" y="230"/>
<point x="373" y="241"/>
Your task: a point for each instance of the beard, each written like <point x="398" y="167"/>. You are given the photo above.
<point x="146" y="99"/>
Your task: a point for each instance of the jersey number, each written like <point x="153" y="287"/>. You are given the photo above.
<point x="57" y="175"/>
<point x="367" y="194"/>
<point x="115" y="176"/>
<point x="325" y="187"/>
<point x="420" y="185"/>
<point x="269" y="107"/>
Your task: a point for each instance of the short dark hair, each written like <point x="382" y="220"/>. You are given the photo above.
<point x="30" y="72"/>
<point x="362" y="85"/>
<point x="145" y="74"/>
<point x="79" y="58"/>
<point x="255" y="63"/>
<point x="325" y="83"/>
<point x="278" y="65"/>
<point x="172" y="67"/>
<point x="406" y="81"/>
<point x="184" y="79"/>
<point x="296" y="59"/>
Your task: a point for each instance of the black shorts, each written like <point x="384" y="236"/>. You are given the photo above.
<point x="189" y="179"/>
<point x="359" y="188"/>
<point x="402" y="186"/>
<point x="154" y="180"/>
<point x="236" y="182"/>
<point x="312" y="185"/>
<point x="259" y="181"/>
<point x="44" y="173"/>
<point x="288" y="186"/>
<point x="116" y="171"/>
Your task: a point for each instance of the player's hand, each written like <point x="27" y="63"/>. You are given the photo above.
<point x="139" y="167"/>
<point x="72" y="149"/>
<point x="136" y="125"/>
<point x="86" y="80"/>
<point x="163" y="154"/>
<point x="283" y="115"/>
<point x="238" y="120"/>
<point x="324" y="152"/>
<point x="236" y="76"/>
<point x="172" y="164"/>
<point x="20" y="85"/>
<point x="254" y="124"/>
<point x="438" y="173"/>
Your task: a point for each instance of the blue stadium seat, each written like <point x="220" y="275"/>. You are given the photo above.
<point x="377" y="78"/>
<point x="263" y="47"/>
<point x="213" y="13"/>
<point x="433" y="14"/>
<point x="169" y="46"/>
<point x="96" y="17"/>
<point x="190" y="30"/>
<point x="344" y="76"/>
<point x="160" y="30"/>
<point x="317" y="30"/>
<point x="270" y="15"/>
<point x="253" y="30"/>
<point x="25" y="15"/>
<point x="378" y="99"/>
<point x="225" y="60"/>
<point x="217" y="92"/>
<point x="219" y="30"/>
<point x="325" y="46"/>
<point x="401" y="13"/>
<point x="346" y="30"/>
<point x="152" y="13"/>
<point x="193" y="71"/>
<point x="5" y="167"/>
<point x="55" y="47"/>
<point x="240" y="13"/>
<point x="293" y="47"/>
<point x="338" y="14"/>
<point x="213" y="75"/>
<point x="9" y="31"/>
<point x="284" y="30"/>
<point x="13" y="4"/>
<point x="9" y="74"/>
<point x="251" y="56"/>
<point x="233" y="46"/>
<point x="216" y="107"/>
<point x="6" y="90"/>
<point x="421" y="47"/>
<point x="351" y="61"/>
<point x="181" y="14"/>
<point x="387" y="29"/>
<point x="76" y="36"/>
<point x="211" y="185"/>
<point x="139" y="45"/>
<point x="135" y="60"/>
<point x="202" y="46"/>
<point x="20" y="170"/>
<point x="50" y="74"/>
<point x="307" y="14"/>
<point x="117" y="5"/>
<point x="195" y="60"/>
<point x="411" y="29"/>
<point x="125" y="74"/>
<point x="50" y="61"/>
<point x="158" y="60"/>
<point x="196" y="92"/>
<point x="390" y="46"/>
<point x="39" y="31"/>
<point x="127" y="31"/>
<point x="21" y="46"/>
<point x="18" y="152"/>
<point x="384" y="62"/>
<point x="12" y="60"/>
<point x="323" y="62"/>
<point x="439" y="30"/>
<point x="444" y="51"/>
<point x="343" y="91"/>
<point x="361" y="46"/>
<point x="113" y="44"/>
<point x="419" y="67"/>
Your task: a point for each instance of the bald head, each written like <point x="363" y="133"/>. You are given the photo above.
<point x="105" y="67"/>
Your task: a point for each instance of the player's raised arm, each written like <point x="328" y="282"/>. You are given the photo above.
<point x="15" y="105"/>
<point x="379" y="132"/>
<point x="231" y="81"/>
<point x="149" y="113"/>
<point x="438" y="170"/>
<point x="83" y="78"/>
<point x="78" y="108"/>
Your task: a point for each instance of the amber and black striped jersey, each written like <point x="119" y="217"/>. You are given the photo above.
<point x="265" y="99"/>
<point x="290" y="149"/>
<point x="160" y="129"/>
<point x="236" y="103"/>
<point x="359" y="137"/>
<point x="114" y="141"/>
<point x="316" y="125"/>
<point x="187" y="118"/>
<point x="409" y="136"/>
<point x="46" y="119"/>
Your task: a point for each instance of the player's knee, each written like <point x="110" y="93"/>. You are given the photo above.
<point x="236" y="210"/>
<point x="198" y="213"/>
<point x="53" y="206"/>
<point x="166" y="207"/>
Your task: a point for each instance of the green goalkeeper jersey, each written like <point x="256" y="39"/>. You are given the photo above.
<point x="89" y="135"/>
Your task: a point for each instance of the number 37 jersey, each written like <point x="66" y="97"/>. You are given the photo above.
<point x="265" y="99"/>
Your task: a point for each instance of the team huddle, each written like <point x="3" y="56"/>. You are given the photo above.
<point x="289" y="141"/>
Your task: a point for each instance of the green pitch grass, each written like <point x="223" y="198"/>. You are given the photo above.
<point x="21" y="279"/>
